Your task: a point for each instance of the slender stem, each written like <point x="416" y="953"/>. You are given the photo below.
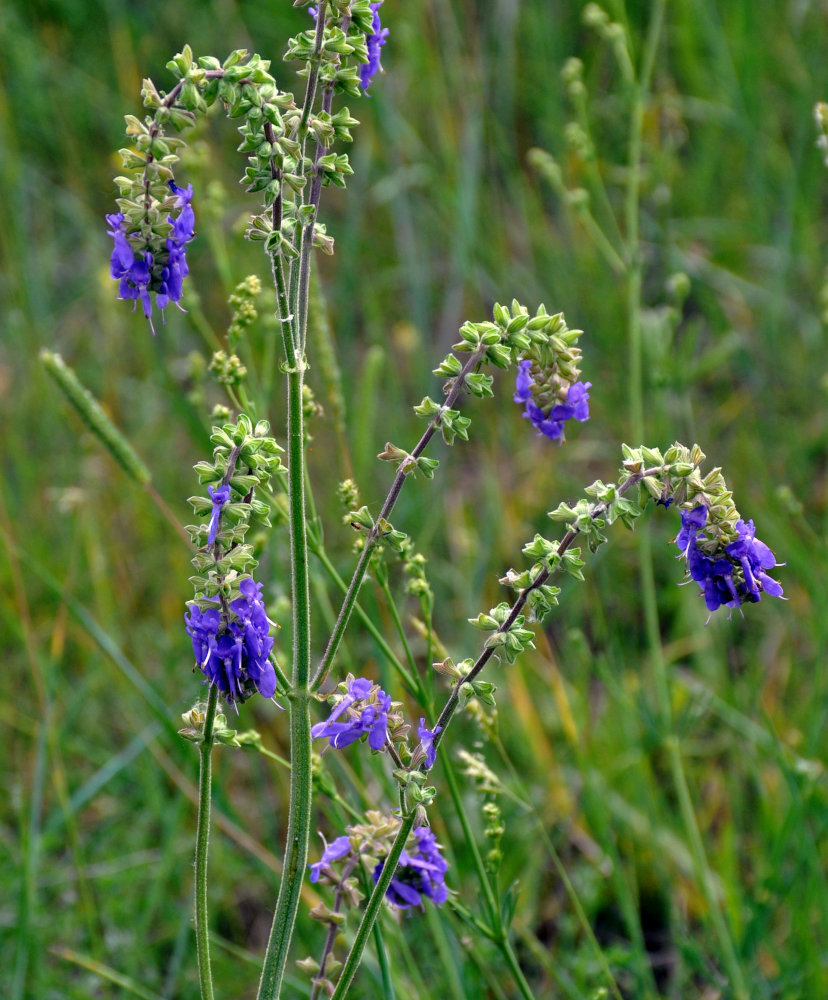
<point x="471" y="842"/>
<point x="281" y="676"/>
<point x="333" y="930"/>
<point x="452" y="702"/>
<point x="299" y="811"/>
<point x="599" y="238"/>
<point x="398" y="625"/>
<point x="640" y="90"/>
<point x="372" y="908"/>
<point x="286" y="318"/>
<point x="298" y="531"/>
<point x="375" y="533"/>
<point x="384" y="966"/>
<point x="296" y="849"/>
<point x="581" y="107"/>
<point x="501" y="938"/>
<point x="307" y="233"/>
<point x="313" y="73"/>
<point x="301" y="133"/>
<point x="508" y="952"/>
<point x="205" y="977"/>
<point x="409" y="680"/>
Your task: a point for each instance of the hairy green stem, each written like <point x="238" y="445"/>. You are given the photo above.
<point x="205" y="977"/>
<point x="296" y="849"/>
<point x="299" y="811"/>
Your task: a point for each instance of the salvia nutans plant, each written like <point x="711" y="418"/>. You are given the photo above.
<point x="388" y="857"/>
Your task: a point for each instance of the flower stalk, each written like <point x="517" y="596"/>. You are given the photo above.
<point x="205" y="778"/>
<point x="375" y="532"/>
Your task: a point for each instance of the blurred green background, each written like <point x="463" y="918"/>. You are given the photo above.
<point x="443" y="217"/>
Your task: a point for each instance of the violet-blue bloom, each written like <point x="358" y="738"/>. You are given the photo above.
<point x="523" y="382"/>
<point x="427" y="742"/>
<point x="754" y="557"/>
<point x="371" y="720"/>
<point x="132" y="273"/>
<point x="219" y="496"/>
<point x="420" y="874"/>
<point x="163" y="271"/>
<point x="375" y="42"/>
<point x="234" y="655"/>
<point x="714" y="572"/>
<point x="336" y="851"/>
<point x="551" y="423"/>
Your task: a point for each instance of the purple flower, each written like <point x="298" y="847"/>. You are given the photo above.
<point x="336" y="851"/>
<point x="234" y="654"/>
<point x="371" y="719"/>
<point x="219" y="496"/>
<point x="754" y="557"/>
<point x="691" y="522"/>
<point x="375" y="42"/>
<point x="578" y="400"/>
<point x="133" y="273"/>
<point x="159" y="269"/>
<point x="714" y="571"/>
<point x="550" y="420"/>
<point x="523" y="383"/>
<point x="427" y="742"/>
<point x="420" y="874"/>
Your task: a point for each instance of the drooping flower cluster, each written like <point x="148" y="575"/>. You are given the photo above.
<point x="728" y="574"/>
<point x="370" y="719"/>
<point x="232" y="651"/>
<point x="420" y="874"/>
<point x="375" y="42"/>
<point x="550" y="400"/>
<point x="162" y="270"/>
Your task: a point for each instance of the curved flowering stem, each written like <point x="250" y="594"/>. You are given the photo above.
<point x="202" y="845"/>
<point x="295" y="283"/>
<point x="375" y="901"/>
<point x="375" y="533"/>
<point x="543" y="576"/>
<point x="305" y="233"/>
